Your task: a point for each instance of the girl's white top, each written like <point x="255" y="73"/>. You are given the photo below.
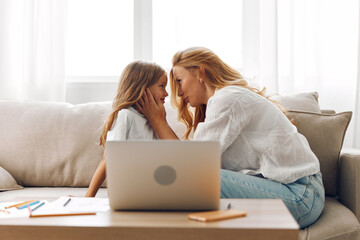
<point x="256" y="137"/>
<point x="130" y="125"/>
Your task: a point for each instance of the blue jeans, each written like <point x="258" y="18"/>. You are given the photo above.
<point x="304" y="198"/>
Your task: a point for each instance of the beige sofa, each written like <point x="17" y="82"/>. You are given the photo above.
<point x="48" y="150"/>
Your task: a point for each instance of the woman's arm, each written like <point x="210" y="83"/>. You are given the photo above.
<point x="154" y="111"/>
<point x="97" y="179"/>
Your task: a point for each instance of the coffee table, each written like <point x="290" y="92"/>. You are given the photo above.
<point x="266" y="219"/>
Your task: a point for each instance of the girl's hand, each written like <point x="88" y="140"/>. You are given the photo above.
<point x="152" y="108"/>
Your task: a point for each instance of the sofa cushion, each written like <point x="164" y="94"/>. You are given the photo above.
<point x="305" y="102"/>
<point x="335" y="222"/>
<point x="51" y="144"/>
<point x="325" y="134"/>
<point x="55" y="144"/>
<point x="47" y="193"/>
<point x="7" y="182"/>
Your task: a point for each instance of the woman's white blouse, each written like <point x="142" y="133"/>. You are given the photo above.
<point x="130" y="125"/>
<point x="256" y="137"/>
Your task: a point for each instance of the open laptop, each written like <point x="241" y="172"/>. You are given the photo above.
<point x="163" y="175"/>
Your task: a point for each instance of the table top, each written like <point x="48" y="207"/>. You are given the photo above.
<point x="261" y="213"/>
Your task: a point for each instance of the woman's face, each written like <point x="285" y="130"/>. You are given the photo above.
<point x="159" y="88"/>
<point x="190" y="88"/>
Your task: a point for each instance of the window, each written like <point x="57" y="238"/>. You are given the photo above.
<point x="103" y="36"/>
<point x="100" y="38"/>
<point x="208" y="23"/>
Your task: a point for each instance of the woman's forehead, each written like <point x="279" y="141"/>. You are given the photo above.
<point x="179" y="70"/>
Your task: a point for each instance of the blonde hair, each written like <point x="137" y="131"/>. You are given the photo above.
<point x="135" y="78"/>
<point x="202" y="61"/>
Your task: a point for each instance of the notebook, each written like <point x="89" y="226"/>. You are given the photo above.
<point x="163" y="175"/>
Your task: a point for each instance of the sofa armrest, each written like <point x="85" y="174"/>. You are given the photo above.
<point x="349" y="180"/>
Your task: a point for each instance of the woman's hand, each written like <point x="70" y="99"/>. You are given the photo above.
<point x="152" y="108"/>
<point x="154" y="111"/>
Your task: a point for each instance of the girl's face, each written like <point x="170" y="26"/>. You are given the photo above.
<point x="159" y="88"/>
<point x="190" y="88"/>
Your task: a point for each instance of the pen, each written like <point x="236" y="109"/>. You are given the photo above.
<point x="38" y="206"/>
<point x="67" y="202"/>
<point x="27" y="205"/>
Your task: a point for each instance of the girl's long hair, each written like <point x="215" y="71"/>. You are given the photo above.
<point x="135" y="78"/>
<point x="217" y="74"/>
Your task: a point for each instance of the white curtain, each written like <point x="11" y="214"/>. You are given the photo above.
<point x="308" y="45"/>
<point x="32" y="49"/>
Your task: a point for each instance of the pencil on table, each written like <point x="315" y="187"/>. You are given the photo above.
<point x="62" y="214"/>
<point x="27" y="205"/>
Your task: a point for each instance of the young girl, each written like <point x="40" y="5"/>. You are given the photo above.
<point x="125" y="122"/>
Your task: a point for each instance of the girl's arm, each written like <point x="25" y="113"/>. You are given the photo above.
<point x="97" y="179"/>
<point x="154" y="111"/>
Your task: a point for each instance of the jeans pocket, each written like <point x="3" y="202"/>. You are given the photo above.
<point x="315" y="206"/>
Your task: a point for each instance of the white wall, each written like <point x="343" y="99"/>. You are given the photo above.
<point x="83" y="92"/>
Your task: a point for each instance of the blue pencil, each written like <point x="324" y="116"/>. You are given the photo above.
<point x="30" y="204"/>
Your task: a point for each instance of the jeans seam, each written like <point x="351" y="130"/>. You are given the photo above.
<point x="306" y="192"/>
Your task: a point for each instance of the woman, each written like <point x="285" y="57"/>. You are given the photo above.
<point x="263" y="155"/>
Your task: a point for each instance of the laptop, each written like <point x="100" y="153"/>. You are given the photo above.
<point x="163" y="175"/>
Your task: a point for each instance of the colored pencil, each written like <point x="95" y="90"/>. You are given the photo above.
<point x="62" y="214"/>
<point x="27" y="205"/>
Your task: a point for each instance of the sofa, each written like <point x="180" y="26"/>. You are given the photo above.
<point x="51" y="149"/>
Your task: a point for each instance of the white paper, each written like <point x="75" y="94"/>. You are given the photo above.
<point x="76" y="205"/>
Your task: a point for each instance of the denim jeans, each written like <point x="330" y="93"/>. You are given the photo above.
<point x="304" y="198"/>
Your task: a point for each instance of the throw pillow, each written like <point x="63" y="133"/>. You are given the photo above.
<point x="325" y="134"/>
<point x="306" y="102"/>
<point x="51" y="143"/>
<point x="7" y="182"/>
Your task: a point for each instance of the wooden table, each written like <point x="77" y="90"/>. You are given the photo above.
<point x="266" y="219"/>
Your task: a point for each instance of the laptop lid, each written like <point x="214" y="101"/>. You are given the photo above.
<point x="163" y="175"/>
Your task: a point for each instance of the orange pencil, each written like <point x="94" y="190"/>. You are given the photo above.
<point x="62" y="214"/>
